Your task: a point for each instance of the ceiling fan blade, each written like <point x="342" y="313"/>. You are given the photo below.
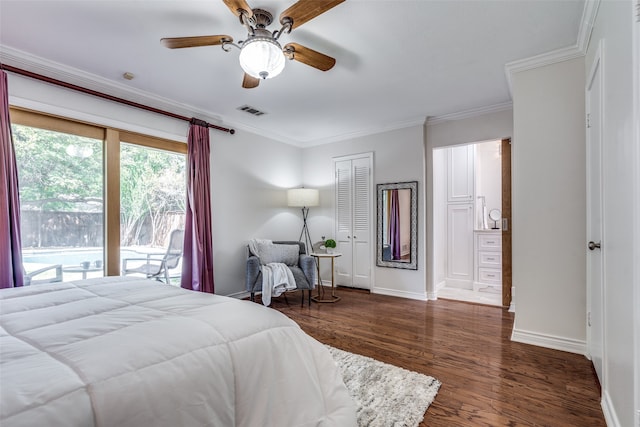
<point x="238" y="6"/>
<point x="180" y="42"/>
<point x="249" y="82"/>
<point x="305" y="10"/>
<point x="309" y="56"/>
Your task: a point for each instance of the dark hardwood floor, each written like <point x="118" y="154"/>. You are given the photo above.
<point x="487" y="380"/>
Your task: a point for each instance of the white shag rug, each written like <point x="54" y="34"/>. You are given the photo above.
<point x="385" y="395"/>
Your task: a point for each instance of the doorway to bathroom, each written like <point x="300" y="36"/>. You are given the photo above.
<point x="472" y="236"/>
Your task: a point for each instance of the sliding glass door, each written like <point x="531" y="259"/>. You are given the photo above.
<point x="152" y="212"/>
<point x="61" y="200"/>
<point x="97" y="200"/>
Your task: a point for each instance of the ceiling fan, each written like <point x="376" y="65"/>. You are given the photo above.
<point x="261" y="56"/>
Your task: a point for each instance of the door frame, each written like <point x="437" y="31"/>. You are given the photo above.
<point x="597" y="66"/>
<point x="506" y="186"/>
<point x="636" y="196"/>
<point x="507" y="270"/>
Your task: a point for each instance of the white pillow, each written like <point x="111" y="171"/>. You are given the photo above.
<point x="286" y="254"/>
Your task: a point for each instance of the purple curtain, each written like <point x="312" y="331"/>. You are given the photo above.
<point x="394" y="226"/>
<point x="197" y="264"/>
<point x="11" y="273"/>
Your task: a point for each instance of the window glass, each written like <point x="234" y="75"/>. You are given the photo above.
<point x="152" y="212"/>
<point x="60" y="177"/>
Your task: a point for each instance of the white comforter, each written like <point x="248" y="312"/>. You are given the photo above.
<point x="133" y="352"/>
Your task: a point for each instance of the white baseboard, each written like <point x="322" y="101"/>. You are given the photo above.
<point x="550" y="341"/>
<point x="421" y="296"/>
<point x="608" y="410"/>
<point x="434" y="295"/>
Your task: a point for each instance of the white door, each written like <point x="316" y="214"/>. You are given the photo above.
<point x="353" y="221"/>
<point x="362" y="259"/>
<point x="344" y="215"/>
<point x="595" y="285"/>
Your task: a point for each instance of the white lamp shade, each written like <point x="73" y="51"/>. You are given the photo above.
<point x="262" y="58"/>
<point x="302" y="197"/>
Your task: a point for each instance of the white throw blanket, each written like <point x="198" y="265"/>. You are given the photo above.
<point x="277" y="278"/>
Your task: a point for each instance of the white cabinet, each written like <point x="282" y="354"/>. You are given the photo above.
<point x="460" y="216"/>
<point x="460" y="174"/>
<point x="353" y="193"/>
<point x="488" y="259"/>
<point x="460" y="245"/>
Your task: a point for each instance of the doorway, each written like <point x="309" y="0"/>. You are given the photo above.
<point x="471" y="224"/>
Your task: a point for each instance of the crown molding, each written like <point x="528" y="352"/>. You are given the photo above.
<point x="475" y="112"/>
<point x="589" y="14"/>
<point x="579" y="49"/>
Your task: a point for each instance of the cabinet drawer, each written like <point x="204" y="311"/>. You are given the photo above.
<point x="491" y="242"/>
<point x="490" y="275"/>
<point x="490" y="259"/>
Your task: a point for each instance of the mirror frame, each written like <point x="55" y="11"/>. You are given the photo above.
<point x="413" y="263"/>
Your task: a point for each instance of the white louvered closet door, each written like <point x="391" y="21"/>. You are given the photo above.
<point x="343" y="190"/>
<point x="353" y="221"/>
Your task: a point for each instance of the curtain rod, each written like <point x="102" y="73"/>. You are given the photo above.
<point x="105" y="96"/>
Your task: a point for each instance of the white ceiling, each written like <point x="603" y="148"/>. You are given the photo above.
<point x="398" y="61"/>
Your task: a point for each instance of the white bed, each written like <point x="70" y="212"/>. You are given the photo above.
<point x="132" y="352"/>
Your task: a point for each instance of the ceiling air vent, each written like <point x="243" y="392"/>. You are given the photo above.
<point x="251" y="110"/>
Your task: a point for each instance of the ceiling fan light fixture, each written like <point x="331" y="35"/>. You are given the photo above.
<point x="262" y="57"/>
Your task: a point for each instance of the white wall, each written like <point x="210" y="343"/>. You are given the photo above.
<point x="249" y="173"/>
<point x="398" y="157"/>
<point x="496" y="125"/>
<point x="249" y="178"/>
<point x="636" y="215"/>
<point x="32" y="94"/>
<point x="613" y="26"/>
<point x="549" y="205"/>
<point x="439" y="186"/>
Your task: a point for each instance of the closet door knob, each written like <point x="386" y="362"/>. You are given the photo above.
<point x="593" y="245"/>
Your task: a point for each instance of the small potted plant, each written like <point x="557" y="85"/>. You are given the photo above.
<point x="330" y="244"/>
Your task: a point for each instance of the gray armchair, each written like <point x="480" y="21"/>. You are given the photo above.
<point x="303" y="273"/>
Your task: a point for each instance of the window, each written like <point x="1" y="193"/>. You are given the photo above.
<point x="61" y="187"/>
<point x="152" y="205"/>
<point x="93" y="196"/>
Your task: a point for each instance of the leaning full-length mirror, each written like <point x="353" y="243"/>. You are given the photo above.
<point x="397" y="225"/>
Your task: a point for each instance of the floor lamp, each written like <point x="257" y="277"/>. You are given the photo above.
<point x="303" y="198"/>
